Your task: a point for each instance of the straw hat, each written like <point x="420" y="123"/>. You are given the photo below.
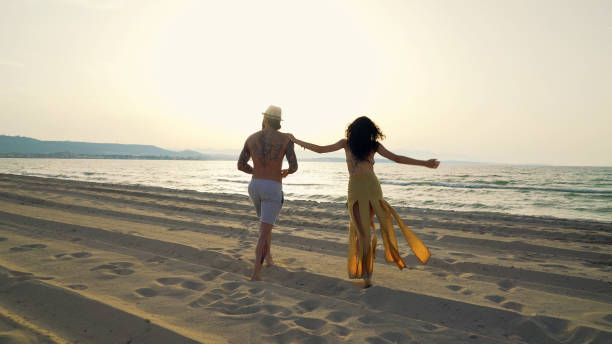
<point x="273" y="112"/>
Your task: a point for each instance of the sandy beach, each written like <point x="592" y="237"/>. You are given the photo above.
<point x="99" y="263"/>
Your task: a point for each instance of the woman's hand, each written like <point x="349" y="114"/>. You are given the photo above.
<point x="290" y="137"/>
<point x="432" y="163"/>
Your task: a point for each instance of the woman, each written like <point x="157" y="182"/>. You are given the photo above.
<point x="365" y="197"/>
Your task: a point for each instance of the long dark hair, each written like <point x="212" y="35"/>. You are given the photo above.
<point x="362" y="137"/>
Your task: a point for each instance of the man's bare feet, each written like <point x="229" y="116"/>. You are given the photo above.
<point x="255" y="278"/>
<point x="269" y="260"/>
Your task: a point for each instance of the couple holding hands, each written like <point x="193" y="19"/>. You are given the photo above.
<point x="268" y="147"/>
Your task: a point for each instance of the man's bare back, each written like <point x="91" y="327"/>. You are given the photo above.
<point x="267" y="148"/>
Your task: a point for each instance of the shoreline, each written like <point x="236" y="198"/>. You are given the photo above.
<point x="401" y="209"/>
<point x="330" y="159"/>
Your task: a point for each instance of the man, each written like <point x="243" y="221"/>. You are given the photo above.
<point x="267" y="148"/>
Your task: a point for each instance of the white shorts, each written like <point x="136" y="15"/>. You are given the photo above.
<point x="267" y="197"/>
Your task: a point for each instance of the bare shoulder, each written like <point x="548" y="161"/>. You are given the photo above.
<point x="253" y="136"/>
<point x="280" y="137"/>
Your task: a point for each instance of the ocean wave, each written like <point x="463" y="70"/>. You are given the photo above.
<point x="233" y="181"/>
<point x="500" y="187"/>
<point x="48" y="175"/>
<point x="224" y="180"/>
<point x="494" y="182"/>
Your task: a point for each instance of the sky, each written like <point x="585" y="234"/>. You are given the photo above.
<point x="493" y="81"/>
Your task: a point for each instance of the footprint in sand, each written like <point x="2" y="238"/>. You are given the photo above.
<point x="146" y="292"/>
<point x="68" y="256"/>
<point x="458" y="288"/>
<point x="277" y="310"/>
<point x="371" y="319"/>
<point x="495" y="298"/>
<point x="337" y="317"/>
<point x="506" y="285"/>
<point x="309" y="305"/>
<point x="396" y="337"/>
<point x="157" y="259"/>
<point x="193" y="285"/>
<point x="242" y="300"/>
<point x="206" y="300"/>
<point x="77" y="286"/>
<point x="29" y="247"/>
<point x="515" y="306"/>
<point x="3" y="239"/>
<point x="209" y="276"/>
<point x="169" y="280"/>
<point x="256" y="291"/>
<point x="62" y="256"/>
<point x="310" y="323"/>
<point x="340" y="330"/>
<point x="230" y="302"/>
<point x="440" y="274"/>
<point x="272" y="324"/>
<point x="239" y="295"/>
<point x="230" y="286"/>
<point x="288" y="261"/>
<point x="231" y="277"/>
<point x="117" y="268"/>
<point x="430" y="327"/>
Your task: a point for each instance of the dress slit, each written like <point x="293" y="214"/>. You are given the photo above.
<point x="365" y="194"/>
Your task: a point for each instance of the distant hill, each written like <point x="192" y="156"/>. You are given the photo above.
<point x="25" y="147"/>
<point x="29" y="147"/>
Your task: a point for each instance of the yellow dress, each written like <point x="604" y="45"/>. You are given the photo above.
<point x="365" y="189"/>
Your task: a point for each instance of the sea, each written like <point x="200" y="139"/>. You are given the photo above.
<point x="583" y="193"/>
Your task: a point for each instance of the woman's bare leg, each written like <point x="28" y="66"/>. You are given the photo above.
<point x="362" y="237"/>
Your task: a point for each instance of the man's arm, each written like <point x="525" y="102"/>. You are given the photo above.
<point x="243" y="160"/>
<point x="316" y="148"/>
<point x="291" y="158"/>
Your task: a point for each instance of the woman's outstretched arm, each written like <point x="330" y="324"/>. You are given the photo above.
<point x="431" y="163"/>
<point x="316" y="148"/>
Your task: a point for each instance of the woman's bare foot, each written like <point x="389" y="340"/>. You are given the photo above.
<point x="366" y="283"/>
